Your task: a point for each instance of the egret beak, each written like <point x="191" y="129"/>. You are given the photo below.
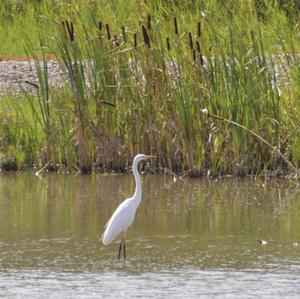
<point x="151" y="156"/>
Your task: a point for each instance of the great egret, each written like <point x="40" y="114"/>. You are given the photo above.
<point x="124" y="215"/>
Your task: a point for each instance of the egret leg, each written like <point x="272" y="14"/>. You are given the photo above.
<point x="124" y="250"/>
<point x="120" y="248"/>
<point x="124" y="246"/>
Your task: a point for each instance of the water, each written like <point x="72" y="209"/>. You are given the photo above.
<point x="192" y="239"/>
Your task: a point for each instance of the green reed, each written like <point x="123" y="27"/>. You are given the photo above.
<point x="146" y="84"/>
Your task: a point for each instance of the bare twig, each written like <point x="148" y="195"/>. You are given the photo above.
<point x="31" y="83"/>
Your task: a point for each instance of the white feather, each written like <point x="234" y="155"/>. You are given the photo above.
<point x="120" y="220"/>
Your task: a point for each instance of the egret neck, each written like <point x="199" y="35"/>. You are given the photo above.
<point x="138" y="187"/>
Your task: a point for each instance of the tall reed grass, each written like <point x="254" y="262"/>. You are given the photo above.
<point x="149" y="84"/>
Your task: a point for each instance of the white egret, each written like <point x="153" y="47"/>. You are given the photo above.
<point x="124" y="215"/>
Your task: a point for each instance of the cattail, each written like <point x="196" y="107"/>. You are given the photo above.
<point x="191" y="41"/>
<point x="168" y="43"/>
<point x="70" y="29"/>
<point x="199" y="51"/>
<point x="124" y="34"/>
<point x="194" y="54"/>
<point x="175" y="26"/>
<point x="135" y="40"/>
<point x="201" y="59"/>
<point x="146" y="36"/>
<point x="108" y="32"/>
<point x="149" y="22"/>
<point x="199" y="29"/>
<point x="100" y="29"/>
<point x="198" y="46"/>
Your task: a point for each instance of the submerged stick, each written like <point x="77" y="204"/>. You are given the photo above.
<point x="273" y="148"/>
<point x="43" y="168"/>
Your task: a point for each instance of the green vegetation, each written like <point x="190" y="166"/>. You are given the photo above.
<point x="155" y="77"/>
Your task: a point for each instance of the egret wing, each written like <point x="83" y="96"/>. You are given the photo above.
<point x="120" y="220"/>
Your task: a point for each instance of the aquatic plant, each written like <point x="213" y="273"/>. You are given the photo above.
<point x="150" y="84"/>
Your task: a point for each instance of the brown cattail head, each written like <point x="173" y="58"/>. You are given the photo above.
<point x="135" y="40"/>
<point x="194" y="54"/>
<point x="199" y="29"/>
<point x="200" y="53"/>
<point x="201" y="59"/>
<point x="149" y="22"/>
<point x="198" y="46"/>
<point x="124" y="34"/>
<point x="70" y="29"/>
<point x="168" y="43"/>
<point x="108" y="31"/>
<point x="100" y="29"/>
<point x="146" y="36"/>
<point x="176" y="26"/>
<point x="191" y="41"/>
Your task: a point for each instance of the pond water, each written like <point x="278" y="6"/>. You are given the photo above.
<point x="190" y="238"/>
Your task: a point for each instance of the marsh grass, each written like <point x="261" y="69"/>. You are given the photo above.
<point x="142" y="83"/>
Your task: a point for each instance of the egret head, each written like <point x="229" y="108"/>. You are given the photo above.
<point x="141" y="157"/>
